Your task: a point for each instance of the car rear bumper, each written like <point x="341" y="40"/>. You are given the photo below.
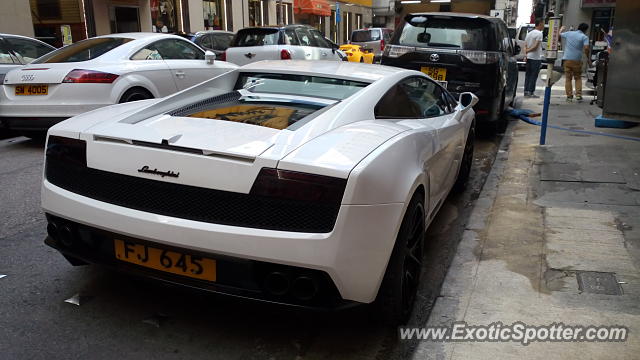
<point x="353" y="256"/>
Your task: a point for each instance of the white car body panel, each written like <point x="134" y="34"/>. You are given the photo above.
<point x="159" y="77"/>
<point x="384" y="161"/>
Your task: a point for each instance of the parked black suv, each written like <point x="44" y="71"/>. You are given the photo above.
<point x="464" y="52"/>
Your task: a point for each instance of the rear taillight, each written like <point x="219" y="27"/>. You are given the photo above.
<point x="382" y="45"/>
<point x="395" y="51"/>
<point x="285" y="54"/>
<point x="223" y="56"/>
<point x="89" y="76"/>
<point x="67" y="150"/>
<point x="480" y="57"/>
<point x="293" y="185"/>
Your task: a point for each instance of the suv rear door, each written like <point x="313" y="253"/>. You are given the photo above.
<point x="255" y="44"/>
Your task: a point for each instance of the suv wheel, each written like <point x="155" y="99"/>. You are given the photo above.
<point x="399" y="287"/>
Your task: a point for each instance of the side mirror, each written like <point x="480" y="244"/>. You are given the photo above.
<point x="209" y="57"/>
<point x="467" y="100"/>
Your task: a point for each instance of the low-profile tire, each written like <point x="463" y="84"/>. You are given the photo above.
<point x="466" y="163"/>
<point x="399" y="288"/>
<point x="135" y="94"/>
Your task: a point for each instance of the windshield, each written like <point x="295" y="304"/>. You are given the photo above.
<point x="302" y="85"/>
<point x="365" y="35"/>
<point x="257" y="37"/>
<point x="83" y="50"/>
<point x="444" y="32"/>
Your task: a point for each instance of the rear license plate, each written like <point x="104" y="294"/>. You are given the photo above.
<point x="438" y="74"/>
<point x="32" y="89"/>
<point x="165" y="260"/>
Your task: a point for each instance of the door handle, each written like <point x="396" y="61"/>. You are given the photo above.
<point x="180" y="74"/>
<point x="324" y="54"/>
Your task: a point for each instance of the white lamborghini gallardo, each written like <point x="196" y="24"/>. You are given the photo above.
<point x="299" y="182"/>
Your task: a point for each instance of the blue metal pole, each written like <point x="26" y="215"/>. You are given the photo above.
<point x="545" y="114"/>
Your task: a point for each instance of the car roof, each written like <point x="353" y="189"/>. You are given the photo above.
<point x="213" y="32"/>
<point x="462" y="15"/>
<point x="325" y="68"/>
<point x="279" y="27"/>
<point x="25" y="37"/>
<point x="139" y="35"/>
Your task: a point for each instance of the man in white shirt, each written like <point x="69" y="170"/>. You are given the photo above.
<point x="533" y="52"/>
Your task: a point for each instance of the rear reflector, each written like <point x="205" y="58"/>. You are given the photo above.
<point x="285" y="54"/>
<point x="293" y="185"/>
<point x="89" y="76"/>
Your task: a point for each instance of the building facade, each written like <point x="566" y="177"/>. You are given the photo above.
<point x="598" y="14"/>
<point x="51" y="20"/>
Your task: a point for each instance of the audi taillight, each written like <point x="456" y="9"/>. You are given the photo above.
<point x="285" y="54"/>
<point x="293" y="185"/>
<point x="89" y="76"/>
<point x="480" y="57"/>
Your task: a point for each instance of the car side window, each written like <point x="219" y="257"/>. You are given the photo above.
<point x="221" y="41"/>
<point x="319" y="39"/>
<point x="174" y="49"/>
<point x="292" y="38"/>
<point x="5" y="56"/>
<point x="305" y="37"/>
<point x="29" y="50"/>
<point x="414" y="97"/>
<point x="147" y="53"/>
<point x="205" y="42"/>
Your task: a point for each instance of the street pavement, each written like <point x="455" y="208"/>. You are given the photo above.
<point x="128" y="318"/>
<point x="546" y="216"/>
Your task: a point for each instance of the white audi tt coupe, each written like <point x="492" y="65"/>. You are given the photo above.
<point x="101" y="71"/>
<point x="300" y="182"/>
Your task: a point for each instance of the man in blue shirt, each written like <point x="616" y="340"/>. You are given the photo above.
<point x="576" y="43"/>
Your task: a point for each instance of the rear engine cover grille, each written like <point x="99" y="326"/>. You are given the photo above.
<point x="191" y="202"/>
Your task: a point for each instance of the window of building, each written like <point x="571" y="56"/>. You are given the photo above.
<point x="284" y="13"/>
<point x="48" y="9"/>
<point x="258" y="13"/>
<point x="164" y="16"/>
<point x="213" y="15"/>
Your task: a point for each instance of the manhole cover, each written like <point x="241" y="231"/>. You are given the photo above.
<point x="598" y="282"/>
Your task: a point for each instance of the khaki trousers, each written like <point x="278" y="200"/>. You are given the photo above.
<point x="573" y="70"/>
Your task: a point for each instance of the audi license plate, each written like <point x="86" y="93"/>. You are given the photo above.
<point x="166" y="260"/>
<point x="32" y="89"/>
<point x="437" y="74"/>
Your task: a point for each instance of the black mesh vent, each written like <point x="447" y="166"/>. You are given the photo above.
<point x="191" y="202"/>
<point x="205" y="104"/>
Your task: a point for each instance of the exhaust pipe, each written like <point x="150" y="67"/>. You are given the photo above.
<point x="304" y="288"/>
<point x="52" y="230"/>
<point x="66" y="236"/>
<point x="277" y="283"/>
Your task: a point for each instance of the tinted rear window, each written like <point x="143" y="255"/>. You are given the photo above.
<point x="257" y="37"/>
<point x="445" y="32"/>
<point x="303" y="85"/>
<point x="365" y="35"/>
<point x="83" y="50"/>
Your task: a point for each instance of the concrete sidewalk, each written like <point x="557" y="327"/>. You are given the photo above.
<point x="546" y="216"/>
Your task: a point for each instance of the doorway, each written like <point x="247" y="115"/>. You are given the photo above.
<point x="124" y="19"/>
